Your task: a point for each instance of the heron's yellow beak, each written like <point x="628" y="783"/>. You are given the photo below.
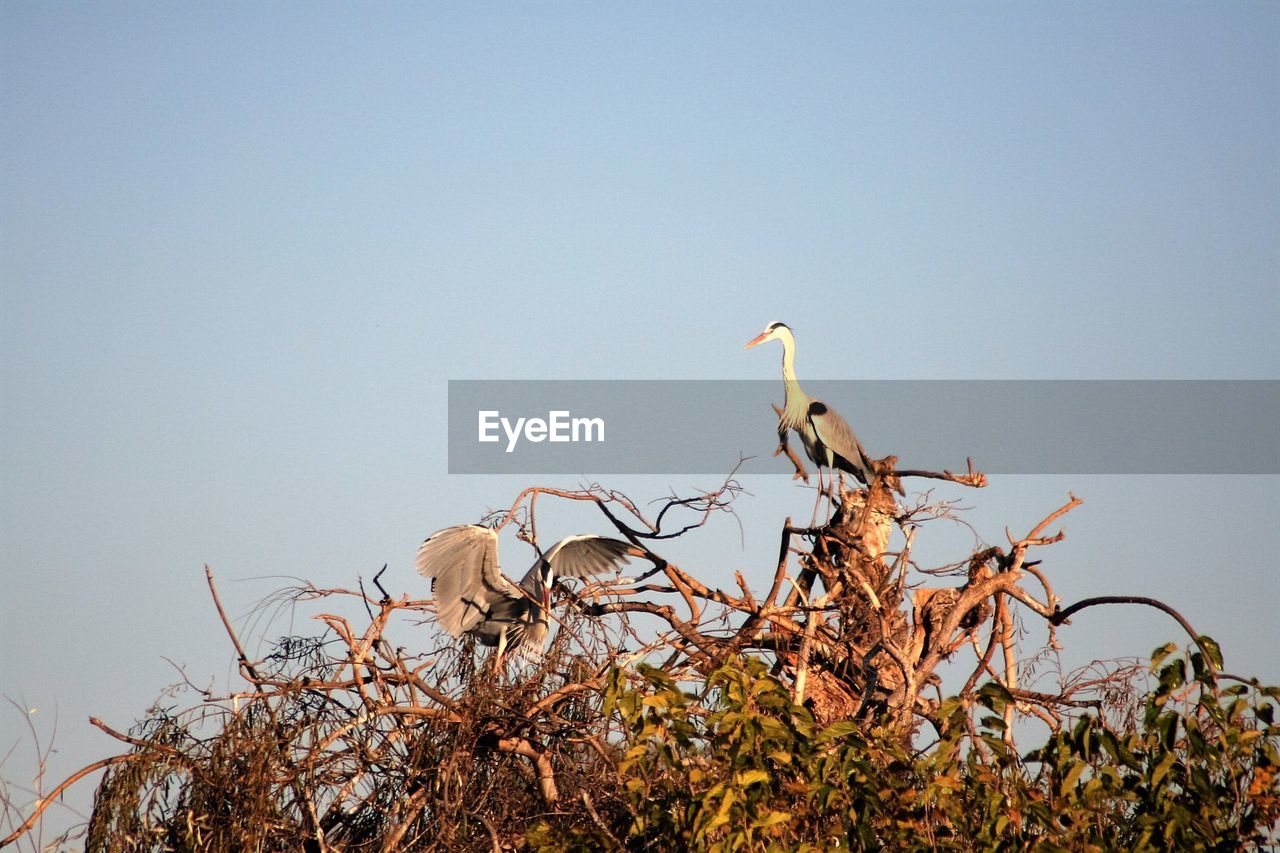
<point x="758" y="339"/>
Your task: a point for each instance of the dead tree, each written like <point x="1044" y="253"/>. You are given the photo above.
<point x="360" y="739"/>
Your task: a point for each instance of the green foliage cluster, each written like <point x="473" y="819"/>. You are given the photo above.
<point x="745" y="768"/>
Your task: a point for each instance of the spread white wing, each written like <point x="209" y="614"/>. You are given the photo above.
<point x="462" y="563"/>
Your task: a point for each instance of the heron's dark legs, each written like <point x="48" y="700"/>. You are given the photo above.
<point x="831" y="496"/>
<point x="840" y="492"/>
<point x="814" y="519"/>
<point x="499" y="659"/>
<point x="502" y="647"/>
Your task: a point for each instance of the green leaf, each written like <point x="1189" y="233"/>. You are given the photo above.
<point x="722" y="814"/>
<point x="1214" y="650"/>
<point x="995" y="696"/>
<point x="951" y="783"/>
<point x="1073" y="776"/>
<point x="1162" y="769"/>
<point x="836" y="731"/>
<point x="995" y="724"/>
<point x="771" y="819"/>
<point x="1158" y="656"/>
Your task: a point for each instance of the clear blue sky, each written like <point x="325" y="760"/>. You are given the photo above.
<point x="243" y="247"/>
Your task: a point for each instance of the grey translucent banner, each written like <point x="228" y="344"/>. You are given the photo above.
<point x="593" y="427"/>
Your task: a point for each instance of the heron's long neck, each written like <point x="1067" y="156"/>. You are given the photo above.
<point x="544" y="580"/>
<point x="795" y="397"/>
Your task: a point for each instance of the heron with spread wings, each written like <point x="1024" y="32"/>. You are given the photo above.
<point x="474" y="597"/>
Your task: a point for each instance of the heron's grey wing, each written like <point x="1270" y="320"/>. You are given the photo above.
<point x="581" y="556"/>
<point x="462" y="563"/>
<point x="835" y="432"/>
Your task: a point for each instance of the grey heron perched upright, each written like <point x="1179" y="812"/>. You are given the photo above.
<point x="828" y="440"/>
<point x="474" y="597"/>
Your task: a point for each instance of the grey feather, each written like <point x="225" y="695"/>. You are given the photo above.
<point x="462" y="563"/>
<point x="474" y="597"/>
<point x="583" y="556"/>
<point x="844" y="451"/>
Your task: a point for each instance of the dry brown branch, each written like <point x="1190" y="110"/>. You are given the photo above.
<point x="53" y="795"/>
<point x="972" y="478"/>
<point x="407" y="814"/>
<point x="133" y="741"/>
<point x="1060" y="617"/>
<point x="604" y="827"/>
<point x="1008" y="648"/>
<point x="546" y="775"/>
<point x="245" y="665"/>
<point x="1034" y="536"/>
